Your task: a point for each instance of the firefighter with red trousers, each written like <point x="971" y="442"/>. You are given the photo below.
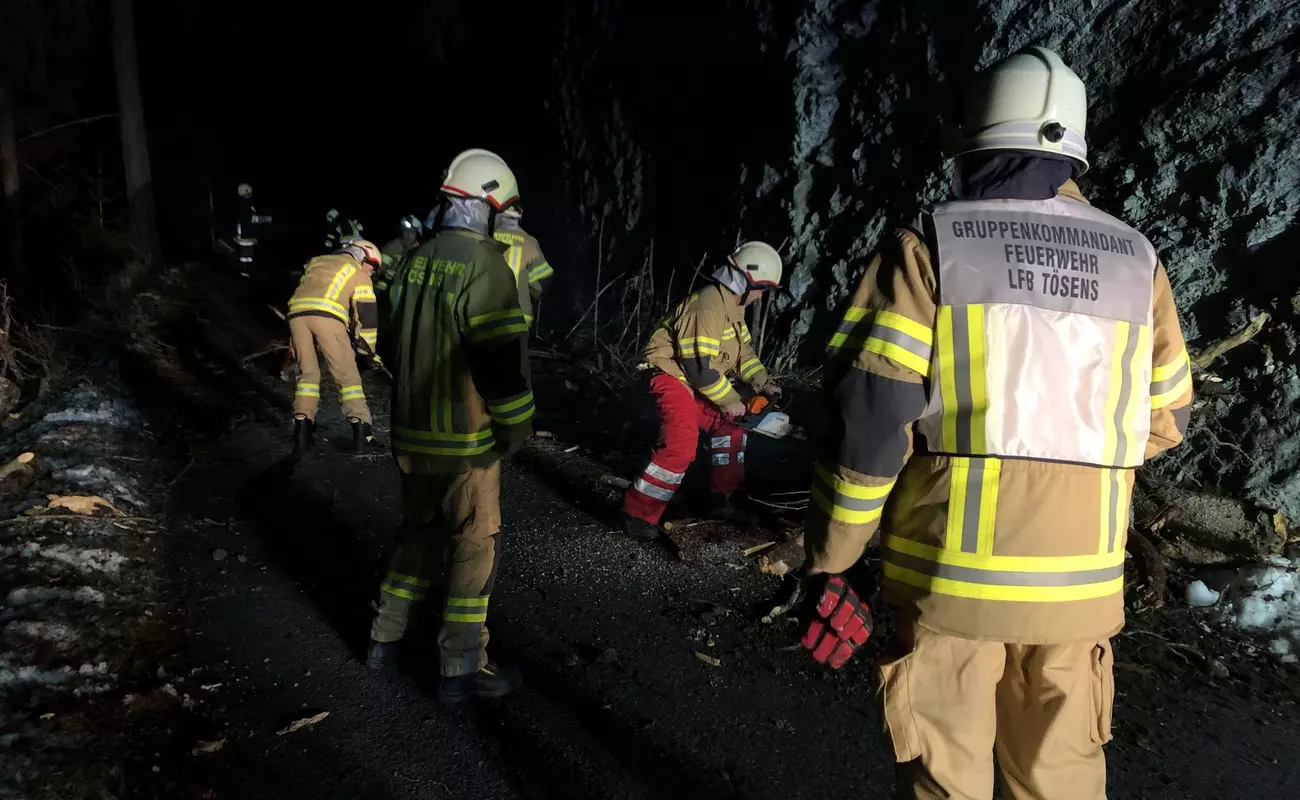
<point x="692" y="354"/>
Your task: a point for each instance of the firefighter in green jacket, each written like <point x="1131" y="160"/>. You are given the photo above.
<point x="525" y="258"/>
<point x="462" y="400"/>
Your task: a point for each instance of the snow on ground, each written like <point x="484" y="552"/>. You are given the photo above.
<point x="73" y="585"/>
<point x="1267" y="601"/>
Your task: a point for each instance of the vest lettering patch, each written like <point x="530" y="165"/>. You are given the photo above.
<point x="1083" y="262"/>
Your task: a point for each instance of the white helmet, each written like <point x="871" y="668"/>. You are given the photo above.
<point x="331" y="215"/>
<point x="1027" y="101"/>
<point x="245" y="190"/>
<point x="410" y="222"/>
<point x="364" y="252"/>
<point x="479" y="173"/>
<point x="761" y="264"/>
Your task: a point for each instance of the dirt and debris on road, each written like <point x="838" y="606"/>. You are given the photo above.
<point x="649" y="674"/>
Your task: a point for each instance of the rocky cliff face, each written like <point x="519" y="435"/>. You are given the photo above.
<point x="819" y="122"/>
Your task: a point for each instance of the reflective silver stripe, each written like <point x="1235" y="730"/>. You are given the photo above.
<point x="974" y="495"/>
<point x="1116" y="507"/>
<point x="847" y="502"/>
<point x="991" y="577"/>
<point x="650" y="490"/>
<point x="961" y="370"/>
<point x="906" y="341"/>
<point x="740" y="457"/>
<point x="660" y="474"/>
<point x="720" y="443"/>
<point x="1168" y="384"/>
<point x="721" y="459"/>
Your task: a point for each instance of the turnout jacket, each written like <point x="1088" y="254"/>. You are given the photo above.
<point x="703" y="341"/>
<point x="462" y="394"/>
<point x="998" y="376"/>
<point x="526" y="261"/>
<point x="248" y="223"/>
<point x="336" y="286"/>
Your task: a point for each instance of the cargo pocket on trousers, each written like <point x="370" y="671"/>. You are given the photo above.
<point x="1102" y="680"/>
<point x="895" y="690"/>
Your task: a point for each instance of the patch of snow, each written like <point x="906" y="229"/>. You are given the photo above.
<point x="56" y="633"/>
<point x="86" y="560"/>
<point x="25" y="595"/>
<point x="19" y="675"/>
<point x="104" y="414"/>
<point x="1199" y="595"/>
<point x="100" y="478"/>
<point x="1268" y="601"/>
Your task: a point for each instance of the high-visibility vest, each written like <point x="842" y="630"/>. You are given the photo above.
<point x="1041" y="351"/>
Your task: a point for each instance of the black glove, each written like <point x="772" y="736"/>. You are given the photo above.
<point x="841" y="625"/>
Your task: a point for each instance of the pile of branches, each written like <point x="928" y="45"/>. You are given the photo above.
<point x="30" y="358"/>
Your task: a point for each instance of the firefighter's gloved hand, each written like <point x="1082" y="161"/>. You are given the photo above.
<point x="734" y="410"/>
<point x="841" y="624"/>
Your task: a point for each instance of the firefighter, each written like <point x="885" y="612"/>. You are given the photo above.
<point x="248" y="224"/>
<point x="334" y="310"/>
<point x="692" y="354"/>
<point x="340" y="230"/>
<point x="408" y="238"/>
<point x="1003" y="368"/>
<point x="524" y="257"/>
<point x="462" y="401"/>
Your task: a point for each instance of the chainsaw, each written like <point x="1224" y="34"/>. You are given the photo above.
<point x="763" y="417"/>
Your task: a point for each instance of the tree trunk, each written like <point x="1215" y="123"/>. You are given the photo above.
<point x="135" y="147"/>
<point x="10" y="220"/>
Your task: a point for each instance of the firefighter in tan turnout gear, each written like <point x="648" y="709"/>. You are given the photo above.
<point x="693" y="353"/>
<point x="531" y="270"/>
<point x="462" y="400"/>
<point x="334" y="310"/>
<point x="1003" y="368"/>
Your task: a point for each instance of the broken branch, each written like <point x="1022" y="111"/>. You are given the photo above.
<point x="1216" y="349"/>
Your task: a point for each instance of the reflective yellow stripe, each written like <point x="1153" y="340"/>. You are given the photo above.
<point x="1170" y="381"/>
<point x="1013" y="578"/>
<point x="411" y="579"/>
<point x="483" y="319"/>
<point x="729" y="334"/>
<point x="962" y="386"/>
<point x="522" y="408"/>
<point x="751" y="368"/>
<point x="848" y="502"/>
<point x="466" y="609"/>
<point x="340" y="278"/>
<point x="307" y="390"/>
<point x="541" y="271"/>
<point x="355" y="392"/>
<point x="718" y="390"/>
<point x="298" y="305"/>
<point x="972" y="504"/>
<point x="363" y="292"/>
<point x="409" y="440"/>
<point x="370" y="337"/>
<point x="400" y="592"/>
<point x="701" y="345"/>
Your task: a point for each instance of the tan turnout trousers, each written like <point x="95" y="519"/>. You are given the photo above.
<point x="449" y="543"/>
<point x="950" y="703"/>
<point x="331" y="336"/>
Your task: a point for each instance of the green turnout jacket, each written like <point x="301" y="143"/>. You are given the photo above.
<point x="462" y="395"/>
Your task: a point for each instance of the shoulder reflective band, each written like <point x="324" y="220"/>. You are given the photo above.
<point x="848" y="502"/>
<point x="1170" y="381"/>
<point x="340" y="280"/>
<point x="887" y="334"/>
<point x="409" y="440"/>
<point x="1030" y="579"/>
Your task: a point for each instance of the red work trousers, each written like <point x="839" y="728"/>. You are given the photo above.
<point x="684" y="414"/>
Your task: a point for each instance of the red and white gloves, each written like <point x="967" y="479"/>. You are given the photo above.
<point x="841" y="625"/>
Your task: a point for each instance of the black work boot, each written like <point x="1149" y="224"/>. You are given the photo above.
<point x="382" y="656"/>
<point x="489" y="682"/>
<point x="363" y="436"/>
<point x="304" y="436"/>
<point x="638" y="528"/>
